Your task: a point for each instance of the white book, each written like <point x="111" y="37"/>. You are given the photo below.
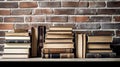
<point x="16" y="51"/>
<point x="17" y="45"/>
<point x="14" y="56"/>
<point x="17" y="38"/>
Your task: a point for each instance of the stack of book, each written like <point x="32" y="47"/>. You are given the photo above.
<point x="58" y="43"/>
<point x="16" y="45"/>
<point x="99" y="47"/>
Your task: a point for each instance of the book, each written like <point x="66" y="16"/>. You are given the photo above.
<point x="98" y="51"/>
<point x="101" y="55"/>
<point x="34" y="39"/>
<point x="17" y="41"/>
<point x="99" y="39"/>
<point x="16" y="34"/>
<point x="17" y="38"/>
<point x="57" y="50"/>
<point x="17" y="45"/>
<point x="61" y="28"/>
<point x="16" y="51"/>
<point x="98" y="46"/>
<point x="58" y="45"/>
<point x="59" y="55"/>
<point x="60" y="32"/>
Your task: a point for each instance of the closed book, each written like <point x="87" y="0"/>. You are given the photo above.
<point x="57" y="50"/>
<point x="59" y="32"/>
<point x="99" y="39"/>
<point x="17" y="41"/>
<point x="17" y="38"/>
<point x="98" y="51"/>
<point x="17" y="45"/>
<point x="16" y="34"/>
<point x="101" y="55"/>
<point x="98" y="46"/>
<point x="61" y="28"/>
<point x="59" y="55"/>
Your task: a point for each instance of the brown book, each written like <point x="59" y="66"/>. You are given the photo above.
<point x="16" y="34"/>
<point x="99" y="39"/>
<point x="59" y="32"/>
<point x="98" y="46"/>
<point x="34" y="42"/>
<point x="61" y="28"/>
<point x="98" y="51"/>
<point x="57" y="50"/>
<point x="59" y="55"/>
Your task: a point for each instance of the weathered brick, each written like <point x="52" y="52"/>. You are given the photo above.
<point x="107" y="11"/>
<point x="85" y="11"/>
<point x="35" y="19"/>
<point x="69" y="4"/>
<point x="113" y="4"/>
<point x="103" y="33"/>
<point x="100" y="19"/>
<point x="65" y="25"/>
<point x="57" y="19"/>
<point x="82" y="4"/>
<point x="6" y="26"/>
<point x="118" y="32"/>
<point x="2" y="40"/>
<point x="28" y="5"/>
<point x="13" y="19"/>
<point x="88" y="26"/>
<point x="23" y="26"/>
<point x="116" y="18"/>
<point x="4" y="12"/>
<point x="21" y="12"/>
<point x="64" y="11"/>
<point x="43" y="11"/>
<point x="78" y="19"/>
<point x="49" y="4"/>
<point x="97" y="4"/>
<point x="8" y="5"/>
<point x="111" y="26"/>
<point x="1" y="19"/>
<point x="2" y="33"/>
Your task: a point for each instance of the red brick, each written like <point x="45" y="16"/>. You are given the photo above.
<point x="43" y="11"/>
<point x="21" y="12"/>
<point x="4" y="12"/>
<point x="82" y="4"/>
<point x="97" y="4"/>
<point x="35" y="19"/>
<point x="113" y="4"/>
<point x="116" y="18"/>
<point x="69" y="4"/>
<point x="56" y="19"/>
<point x="28" y="5"/>
<point x="8" y="5"/>
<point x="1" y="19"/>
<point x="64" y="11"/>
<point x="49" y="4"/>
<point x="23" y="26"/>
<point x="6" y="26"/>
<point x="13" y="19"/>
<point x="78" y="19"/>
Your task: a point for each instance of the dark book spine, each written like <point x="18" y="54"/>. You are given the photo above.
<point x="17" y="41"/>
<point x="100" y="55"/>
<point x="41" y="39"/>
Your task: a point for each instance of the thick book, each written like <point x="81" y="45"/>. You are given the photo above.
<point x="98" y="46"/>
<point x="80" y="45"/>
<point x="99" y="51"/>
<point x="101" y="55"/>
<point x="61" y="28"/>
<point x="16" y="34"/>
<point x="34" y="39"/>
<point x="60" y="32"/>
<point x="59" y="55"/>
<point x="17" y="45"/>
<point x="17" y="38"/>
<point x="58" y="45"/>
<point x="57" y="50"/>
<point x="100" y="39"/>
<point x="41" y="39"/>
<point x="17" y="41"/>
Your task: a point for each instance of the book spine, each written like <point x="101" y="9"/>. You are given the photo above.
<point x="57" y="50"/>
<point x="101" y="55"/>
<point x="17" y="41"/>
<point x="59" y="55"/>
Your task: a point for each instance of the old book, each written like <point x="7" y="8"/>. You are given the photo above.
<point x="17" y="41"/>
<point x="14" y="56"/>
<point x="41" y="39"/>
<point x="58" y="45"/>
<point x="98" y="46"/>
<point x="57" y="50"/>
<point x="59" y="36"/>
<point x="60" y="32"/>
<point x="34" y="39"/>
<point x="17" y="38"/>
<point x="16" y="51"/>
<point x="98" y="51"/>
<point x="60" y="28"/>
<point x="99" y="39"/>
<point x="16" y="34"/>
<point x="59" y="55"/>
<point x="101" y="55"/>
<point x="17" y="45"/>
<point x="58" y="40"/>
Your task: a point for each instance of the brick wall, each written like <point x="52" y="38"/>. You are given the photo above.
<point x="87" y="16"/>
